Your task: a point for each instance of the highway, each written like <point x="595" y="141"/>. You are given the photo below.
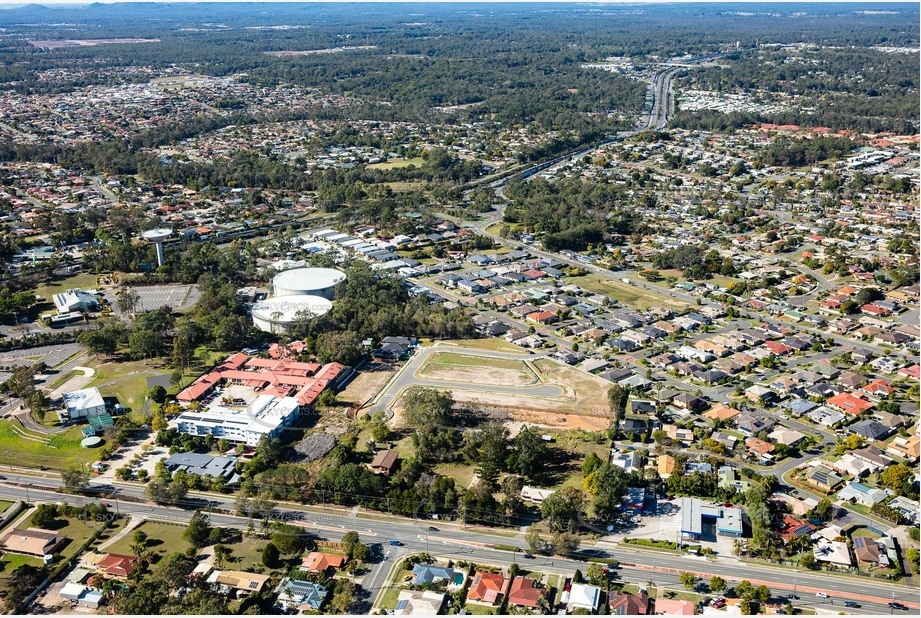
<point x="453" y="541"/>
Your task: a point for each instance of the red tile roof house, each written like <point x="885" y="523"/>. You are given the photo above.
<point x="488" y="588"/>
<point x="523" y="592"/>
<point x="542" y="317"/>
<point x="911" y="372"/>
<point x="875" y="310"/>
<point x="846" y="402"/>
<point x="318" y="562"/>
<point x="759" y="448"/>
<point x="877" y="388"/>
<point x="792" y="527"/>
<point x="778" y="348"/>
<point x="117" y="565"/>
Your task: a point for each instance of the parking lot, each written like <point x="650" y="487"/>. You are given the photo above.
<point x="178" y="297"/>
<point x="51" y="355"/>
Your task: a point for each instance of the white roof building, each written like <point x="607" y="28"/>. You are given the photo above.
<point x="834" y="552"/>
<point x="584" y="596"/>
<point x="75" y="300"/>
<point x="84" y="403"/>
<point x="419" y="603"/>
<point x="265" y="415"/>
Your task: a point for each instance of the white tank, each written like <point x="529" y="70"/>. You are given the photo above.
<point x="275" y="315"/>
<point x="310" y="281"/>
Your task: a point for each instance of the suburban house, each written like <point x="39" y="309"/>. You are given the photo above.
<point x="674" y="607"/>
<point x="117" y="565"/>
<point x="867" y="496"/>
<point x="867" y="552"/>
<point x="524" y="592"/>
<point x="419" y="603"/>
<point x="301" y="596"/>
<point x="238" y="580"/>
<point x="430" y="574"/>
<point x="624" y="604"/>
<point x="488" y="588"/>
<point x="384" y="462"/>
<point x="318" y="562"/>
<point x="33" y="541"/>
<point x="582" y="596"/>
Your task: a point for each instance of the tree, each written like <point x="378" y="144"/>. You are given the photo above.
<point x="221" y="553"/>
<point x="75" y="479"/>
<point x="533" y="538"/>
<point x="596" y="574"/>
<point x="718" y="584"/>
<point x="38" y="404"/>
<point x="564" y="543"/>
<point x="128" y="301"/>
<point x="563" y="509"/>
<point x="353" y="546"/>
<point x="897" y="477"/>
<point x="617" y="401"/>
<point x="530" y="452"/>
<point x="688" y="580"/>
<point x="290" y="540"/>
<point x="20" y="584"/>
<point x="270" y="555"/>
<point x="342" y="598"/>
<point x="157" y="394"/>
<point x="342" y="347"/>
<point x="198" y="530"/>
<point x="44" y="515"/>
<point x="591" y="463"/>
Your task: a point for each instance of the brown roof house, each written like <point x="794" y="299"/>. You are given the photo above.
<point x="623" y="604"/>
<point x="239" y="580"/>
<point x="33" y="541"/>
<point x="523" y="591"/>
<point x="384" y="462"/>
<point x="867" y="552"/>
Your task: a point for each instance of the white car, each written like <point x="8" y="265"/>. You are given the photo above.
<point x="821" y="595"/>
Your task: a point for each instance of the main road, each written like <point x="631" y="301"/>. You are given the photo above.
<point x="454" y="541"/>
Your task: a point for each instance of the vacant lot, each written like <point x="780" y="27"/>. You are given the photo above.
<point x="631" y="295"/>
<point x="465" y="369"/>
<point x="371" y="377"/>
<point x="395" y="163"/>
<point x="162" y="539"/>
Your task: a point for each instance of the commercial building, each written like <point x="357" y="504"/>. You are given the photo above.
<point x="75" y="301"/>
<point x="275" y="315"/>
<point x="310" y="281"/>
<point x="202" y="464"/>
<point x="84" y="403"/>
<point x="727" y="520"/>
<point x="245" y="398"/>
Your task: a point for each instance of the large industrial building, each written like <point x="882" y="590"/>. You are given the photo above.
<point x="308" y="281"/>
<point x="245" y="397"/>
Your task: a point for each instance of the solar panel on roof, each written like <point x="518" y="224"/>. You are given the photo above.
<point x="402" y="604"/>
<point x="253" y="585"/>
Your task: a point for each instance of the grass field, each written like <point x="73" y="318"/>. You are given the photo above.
<point x="389" y="598"/>
<point x="84" y="281"/>
<point x="631" y="295"/>
<point x="466" y="360"/>
<point x="4" y="505"/>
<point x="396" y="163"/>
<point x="462" y="474"/>
<point x="489" y="343"/>
<point x="245" y="555"/>
<point x="11" y="562"/>
<point x="62" y="451"/>
<point x="162" y="539"/>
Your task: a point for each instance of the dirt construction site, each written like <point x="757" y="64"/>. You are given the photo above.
<point x="515" y="387"/>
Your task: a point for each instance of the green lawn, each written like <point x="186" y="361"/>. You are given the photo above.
<point x="84" y="281"/>
<point x="10" y="562"/>
<point x="389" y="598"/>
<point x="453" y="358"/>
<point x="462" y="474"/>
<point x="632" y="295"/>
<point x="480" y="610"/>
<point x="490" y="343"/>
<point x="78" y="532"/>
<point x="245" y="555"/>
<point x="162" y="539"/>
<point x="62" y="451"/>
<point x="4" y="505"/>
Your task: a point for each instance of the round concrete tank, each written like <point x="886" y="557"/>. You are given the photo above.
<point x="275" y="315"/>
<point x="309" y="281"/>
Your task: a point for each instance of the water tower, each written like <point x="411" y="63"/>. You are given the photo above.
<point x="157" y="237"/>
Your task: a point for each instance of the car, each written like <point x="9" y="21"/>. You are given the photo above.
<point x="719" y="604"/>
<point x="395" y="543"/>
<point x="433" y="529"/>
<point x="851" y="604"/>
<point x="821" y="595"/>
<point x="528" y="556"/>
<point x="896" y="605"/>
